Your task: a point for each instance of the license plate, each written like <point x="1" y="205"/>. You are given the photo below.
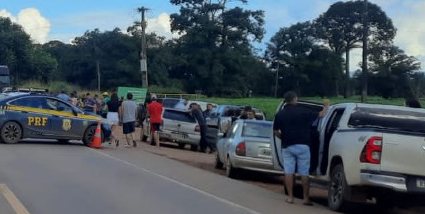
<point x="179" y="136"/>
<point x="265" y="152"/>
<point x="420" y="183"/>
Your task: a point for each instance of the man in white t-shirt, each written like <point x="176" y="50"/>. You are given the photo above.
<point x="128" y="113"/>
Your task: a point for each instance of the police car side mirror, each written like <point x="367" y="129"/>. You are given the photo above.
<point x="75" y="112"/>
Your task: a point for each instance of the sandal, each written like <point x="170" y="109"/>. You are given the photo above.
<point x="117" y="143"/>
<point x="289" y="201"/>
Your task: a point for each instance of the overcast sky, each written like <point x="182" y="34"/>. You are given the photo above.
<point x="63" y="20"/>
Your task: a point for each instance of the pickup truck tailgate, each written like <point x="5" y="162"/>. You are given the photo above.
<point x="403" y="154"/>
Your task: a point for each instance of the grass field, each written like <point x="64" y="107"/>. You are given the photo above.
<point x="269" y="105"/>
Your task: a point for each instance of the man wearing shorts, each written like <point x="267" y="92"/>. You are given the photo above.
<point x="292" y="126"/>
<point x="128" y="112"/>
<point x="155" y="111"/>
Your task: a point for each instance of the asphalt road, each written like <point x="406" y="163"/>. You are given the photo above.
<point x="50" y="178"/>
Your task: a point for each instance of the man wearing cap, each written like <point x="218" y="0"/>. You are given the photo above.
<point x="155" y="111"/>
<point x="105" y="100"/>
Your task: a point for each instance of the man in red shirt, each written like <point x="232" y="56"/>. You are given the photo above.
<point x="155" y="112"/>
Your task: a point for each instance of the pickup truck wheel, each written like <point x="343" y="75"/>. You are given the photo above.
<point x="337" y="189"/>
<point x="218" y="164"/>
<point x="231" y="172"/>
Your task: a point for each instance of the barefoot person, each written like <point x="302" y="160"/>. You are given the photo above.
<point x="292" y="126"/>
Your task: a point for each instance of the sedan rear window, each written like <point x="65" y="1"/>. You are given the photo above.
<point x="178" y="115"/>
<point x="390" y="119"/>
<point x="252" y="129"/>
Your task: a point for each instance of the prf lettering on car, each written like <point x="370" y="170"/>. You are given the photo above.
<point x="37" y="121"/>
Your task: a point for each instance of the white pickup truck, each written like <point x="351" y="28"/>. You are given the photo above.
<point x="365" y="151"/>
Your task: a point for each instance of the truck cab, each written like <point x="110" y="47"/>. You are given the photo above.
<point x="366" y="151"/>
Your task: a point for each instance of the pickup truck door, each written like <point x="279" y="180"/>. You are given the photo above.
<point x="329" y="125"/>
<point x="276" y="145"/>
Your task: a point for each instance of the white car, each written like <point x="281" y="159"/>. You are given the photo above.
<point x="246" y="146"/>
<point x="178" y="126"/>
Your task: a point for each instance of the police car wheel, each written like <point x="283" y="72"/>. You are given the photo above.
<point x="88" y="135"/>
<point x="11" y="132"/>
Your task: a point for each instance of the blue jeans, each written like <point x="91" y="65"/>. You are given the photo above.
<point x="297" y="155"/>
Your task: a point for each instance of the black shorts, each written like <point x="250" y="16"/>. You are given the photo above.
<point x="128" y="127"/>
<point x="155" y="127"/>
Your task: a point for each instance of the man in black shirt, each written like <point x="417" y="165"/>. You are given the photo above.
<point x="292" y="126"/>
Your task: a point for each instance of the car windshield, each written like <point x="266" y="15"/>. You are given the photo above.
<point x="390" y="119"/>
<point x="178" y="115"/>
<point x="3" y="96"/>
<point x="253" y="129"/>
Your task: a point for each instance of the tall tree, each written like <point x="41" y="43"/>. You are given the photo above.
<point x="288" y="51"/>
<point x="341" y="27"/>
<point x="215" y="44"/>
<point x="15" y="49"/>
<point x="392" y="70"/>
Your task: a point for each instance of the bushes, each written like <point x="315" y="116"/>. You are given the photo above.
<point x="53" y="87"/>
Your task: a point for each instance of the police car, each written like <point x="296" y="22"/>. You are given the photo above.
<point x="25" y="115"/>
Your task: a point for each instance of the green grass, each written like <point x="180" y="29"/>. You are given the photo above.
<point x="269" y="105"/>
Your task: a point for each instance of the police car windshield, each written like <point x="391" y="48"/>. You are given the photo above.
<point x="4" y="96"/>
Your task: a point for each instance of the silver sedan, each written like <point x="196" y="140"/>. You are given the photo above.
<point x="246" y="145"/>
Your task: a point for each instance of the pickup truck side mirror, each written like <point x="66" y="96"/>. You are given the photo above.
<point x="75" y="112"/>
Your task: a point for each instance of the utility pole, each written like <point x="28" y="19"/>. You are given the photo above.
<point x="364" y="54"/>
<point x="143" y="55"/>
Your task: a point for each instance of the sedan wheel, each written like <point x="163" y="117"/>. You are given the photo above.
<point x="337" y="189"/>
<point x="231" y="172"/>
<point x="11" y="132"/>
<point x="218" y="164"/>
<point x="89" y="134"/>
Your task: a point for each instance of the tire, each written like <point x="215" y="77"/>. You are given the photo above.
<point x="88" y="135"/>
<point x="193" y="148"/>
<point x="181" y="145"/>
<point x="231" y="172"/>
<point x="218" y="164"/>
<point x="11" y="132"/>
<point x="337" y="189"/>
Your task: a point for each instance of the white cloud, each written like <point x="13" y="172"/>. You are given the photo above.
<point x="411" y="32"/>
<point x="6" y="14"/>
<point x="67" y="28"/>
<point x="32" y="22"/>
<point x="161" y="25"/>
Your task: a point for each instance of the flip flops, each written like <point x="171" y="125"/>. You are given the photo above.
<point x="289" y="201"/>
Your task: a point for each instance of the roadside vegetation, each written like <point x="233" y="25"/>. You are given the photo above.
<point x="215" y="55"/>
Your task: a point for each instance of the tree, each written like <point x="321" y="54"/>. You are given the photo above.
<point x="392" y="71"/>
<point x="290" y="48"/>
<point x="215" y="45"/>
<point x="15" y="48"/>
<point x="341" y="27"/>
